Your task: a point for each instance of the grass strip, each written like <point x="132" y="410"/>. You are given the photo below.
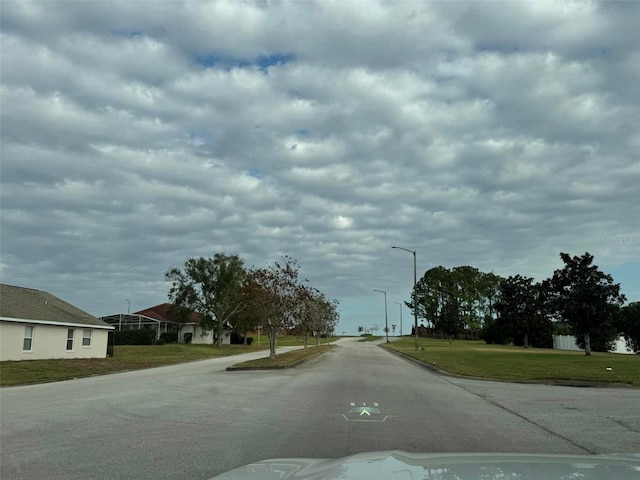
<point x="126" y="357"/>
<point x="283" y="360"/>
<point x="504" y="362"/>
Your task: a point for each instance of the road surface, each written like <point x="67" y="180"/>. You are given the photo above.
<point x="196" y="420"/>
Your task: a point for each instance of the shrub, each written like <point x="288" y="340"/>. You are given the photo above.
<point x="169" y="337"/>
<point x="145" y="336"/>
<point x="188" y="337"/>
<point x="160" y="341"/>
<point x="236" y="339"/>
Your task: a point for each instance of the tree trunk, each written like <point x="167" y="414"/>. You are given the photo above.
<point x="217" y="331"/>
<point x="306" y="340"/>
<point x="587" y="344"/>
<point x="450" y="342"/>
<point x="526" y="340"/>
<point x="317" y="339"/>
<point x="272" y="344"/>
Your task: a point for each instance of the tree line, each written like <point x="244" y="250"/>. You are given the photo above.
<point x="578" y="299"/>
<point x="222" y="291"/>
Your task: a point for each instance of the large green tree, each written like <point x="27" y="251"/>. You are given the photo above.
<point x="587" y="299"/>
<point x="457" y="300"/>
<point x="630" y="326"/>
<point x="210" y="287"/>
<point x="522" y="311"/>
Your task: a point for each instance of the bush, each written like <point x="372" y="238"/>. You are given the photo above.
<point x="146" y="336"/>
<point x="236" y="339"/>
<point x="188" y="337"/>
<point x="160" y="341"/>
<point x="169" y="337"/>
<point x="493" y="333"/>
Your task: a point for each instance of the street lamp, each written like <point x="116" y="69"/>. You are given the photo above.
<point x="386" y="325"/>
<point x="128" y="305"/>
<point x="400" y="316"/>
<point x="415" y="293"/>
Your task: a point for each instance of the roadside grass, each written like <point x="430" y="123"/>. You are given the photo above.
<point x="504" y="362"/>
<point x="370" y="338"/>
<point x="284" y="360"/>
<point x="127" y="357"/>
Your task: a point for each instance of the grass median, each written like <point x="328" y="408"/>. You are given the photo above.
<point x="126" y="357"/>
<point x="283" y="360"/>
<point x="503" y="362"/>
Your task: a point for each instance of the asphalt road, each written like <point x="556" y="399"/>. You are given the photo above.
<point x="196" y="420"/>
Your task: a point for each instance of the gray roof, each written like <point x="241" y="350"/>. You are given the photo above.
<point x="29" y="304"/>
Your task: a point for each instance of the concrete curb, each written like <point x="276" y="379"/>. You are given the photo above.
<point x="235" y="368"/>
<point x="558" y="383"/>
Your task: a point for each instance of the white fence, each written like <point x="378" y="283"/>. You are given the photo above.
<point x="568" y="342"/>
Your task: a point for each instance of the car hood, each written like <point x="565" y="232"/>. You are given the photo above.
<point x="397" y="465"/>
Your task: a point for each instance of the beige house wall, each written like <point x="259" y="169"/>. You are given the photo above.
<point x="50" y="341"/>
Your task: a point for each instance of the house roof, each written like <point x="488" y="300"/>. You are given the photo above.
<point x="163" y="312"/>
<point x="20" y="304"/>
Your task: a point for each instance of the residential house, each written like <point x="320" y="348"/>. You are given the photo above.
<point x="161" y="318"/>
<point x="38" y="325"/>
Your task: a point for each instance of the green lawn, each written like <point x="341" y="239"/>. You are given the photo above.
<point x="126" y="357"/>
<point x="285" y="359"/>
<point x="478" y="359"/>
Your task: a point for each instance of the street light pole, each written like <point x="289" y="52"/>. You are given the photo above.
<point x="415" y="293"/>
<point x="400" y="316"/>
<point x="386" y="324"/>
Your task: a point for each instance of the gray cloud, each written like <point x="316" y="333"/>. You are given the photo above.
<point x="490" y="134"/>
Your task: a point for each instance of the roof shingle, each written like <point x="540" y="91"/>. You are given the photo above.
<point x="31" y="304"/>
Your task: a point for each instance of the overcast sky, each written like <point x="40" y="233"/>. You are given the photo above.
<point x="493" y="134"/>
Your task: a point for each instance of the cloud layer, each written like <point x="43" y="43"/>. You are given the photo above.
<point x="493" y="134"/>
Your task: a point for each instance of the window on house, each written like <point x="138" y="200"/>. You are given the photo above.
<point x="86" y="337"/>
<point x="27" y="343"/>
<point x="70" y="339"/>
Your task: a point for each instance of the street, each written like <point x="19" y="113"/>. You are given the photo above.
<point x="197" y="420"/>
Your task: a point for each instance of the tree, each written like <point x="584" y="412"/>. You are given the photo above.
<point x="209" y="287"/>
<point x="450" y="322"/>
<point x="273" y="293"/>
<point x="429" y="293"/>
<point x="468" y="293"/>
<point x="630" y="326"/>
<point x="587" y="299"/>
<point x="315" y="314"/>
<point x="325" y="317"/>
<point x="523" y="313"/>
